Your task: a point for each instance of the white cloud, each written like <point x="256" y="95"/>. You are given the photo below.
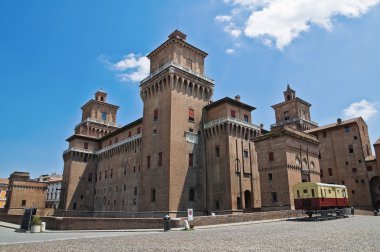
<point x="282" y="21"/>
<point x="221" y="18"/>
<point x="232" y="30"/>
<point x="362" y="108"/>
<point x="131" y="68"/>
<point x="230" y="51"/>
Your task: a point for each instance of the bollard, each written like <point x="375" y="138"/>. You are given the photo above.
<point x="187" y="226"/>
<point x="374" y="213"/>
<point x="352" y="211"/>
<point x="43" y="227"/>
<point x="167" y="223"/>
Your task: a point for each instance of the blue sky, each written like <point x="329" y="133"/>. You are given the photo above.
<point x="54" y="55"/>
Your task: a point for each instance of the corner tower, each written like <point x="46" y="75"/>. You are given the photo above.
<point x="98" y="120"/>
<point x="293" y="112"/>
<point x="174" y="95"/>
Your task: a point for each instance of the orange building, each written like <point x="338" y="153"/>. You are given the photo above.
<point x="3" y="191"/>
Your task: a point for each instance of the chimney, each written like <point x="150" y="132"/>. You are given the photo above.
<point x="237" y="98"/>
<point x="339" y="121"/>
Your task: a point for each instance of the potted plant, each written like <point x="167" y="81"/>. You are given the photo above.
<point x="35" y="224"/>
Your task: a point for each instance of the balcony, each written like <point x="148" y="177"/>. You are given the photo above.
<point x="129" y="139"/>
<point x="178" y="66"/>
<point x="230" y="120"/>
<point x="302" y="121"/>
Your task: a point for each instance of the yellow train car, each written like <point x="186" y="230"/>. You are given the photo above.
<point x="319" y="196"/>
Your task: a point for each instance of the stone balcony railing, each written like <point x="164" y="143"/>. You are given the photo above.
<point x="282" y="123"/>
<point x="231" y="120"/>
<point x="178" y="66"/>
<point x="127" y="140"/>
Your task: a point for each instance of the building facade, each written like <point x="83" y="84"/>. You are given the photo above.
<point x="187" y="151"/>
<point x="24" y="192"/>
<point x="346" y="158"/>
<point x="4" y="183"/>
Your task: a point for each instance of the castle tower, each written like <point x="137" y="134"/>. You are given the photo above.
<point x="293" y="112"/>
<point x="98" y="119"/>
<point x="173" y="94"/>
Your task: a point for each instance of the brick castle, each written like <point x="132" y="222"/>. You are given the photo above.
<point x="190" y="152"/>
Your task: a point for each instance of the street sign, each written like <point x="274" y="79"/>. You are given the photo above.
<point x="190" y="214"/>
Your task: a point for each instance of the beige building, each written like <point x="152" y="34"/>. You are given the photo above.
<point x="187" y="151"/>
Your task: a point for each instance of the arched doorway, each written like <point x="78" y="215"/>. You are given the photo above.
<point x="247" y="199"/>
<point x="374" y="185"/>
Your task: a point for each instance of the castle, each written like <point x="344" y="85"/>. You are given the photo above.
<point x="190" y="152"/>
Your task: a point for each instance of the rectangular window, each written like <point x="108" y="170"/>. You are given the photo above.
<point x="129" y="134"/>
<point x="274" y="196"/>
<point x="355" y="137"/>
<point x="246" y="118"/>
<point x="191" y="115"/>
<point x="321" y="173"/>
<point x="85" y="146"/>
<point x="245" y="153"/>
<point x="191" y="194"/>
<point x="270" y="156"/>
<point x="23" y="203"/>
<point x="116" y="140"/>
<point x="362" y="181"/>
<point x="350" y="149"/>
<point x="270" y="176"/>
<point x="190" y="159"/>
<point x="298" y="194"/>
<point x="111" y="173"/>
<point x="148" y="162"/>
<point x="100" y="176"/>
<point x="125" y="187"/>
<point x="354" y="170"/>
<point x="359" y="161"/>
<point x="104" y="116"/>
<point x="312" y="193"/>
<point x="369" y="168"/>
<point x="330" y="171"/>
<point x="159" y="159"/>
<point x="155" y="116"/>
<point x="217" y="151"/>
<point x="233" y="113"/>
<point x="90" y="177"/>
<point x="154" y="132"/>
<point x="347" y="129"/>
<point x="138" y="130"/>
<point x="353" y="191"/>
<point x="135" y="191"/>
<point x="125" y="171"/>
<point x="153" y="195"/>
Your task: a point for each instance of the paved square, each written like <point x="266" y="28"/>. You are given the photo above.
<point x="358" y="233"/>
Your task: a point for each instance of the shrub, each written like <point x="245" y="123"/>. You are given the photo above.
<point x="36" y="220"/>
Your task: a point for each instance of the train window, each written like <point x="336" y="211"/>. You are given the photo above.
<point x="298" y="193"/>
<point x="312" y="193"/>
<point x="329" y="191"/>
<point x="305" y="191"/>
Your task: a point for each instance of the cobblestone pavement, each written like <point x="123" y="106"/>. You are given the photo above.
<point x="359" y="233"/>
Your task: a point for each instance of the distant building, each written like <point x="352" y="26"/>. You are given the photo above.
<point x="53" y="194"/>
<point x="4" y="183"/>
<point x="24" y="193"/>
